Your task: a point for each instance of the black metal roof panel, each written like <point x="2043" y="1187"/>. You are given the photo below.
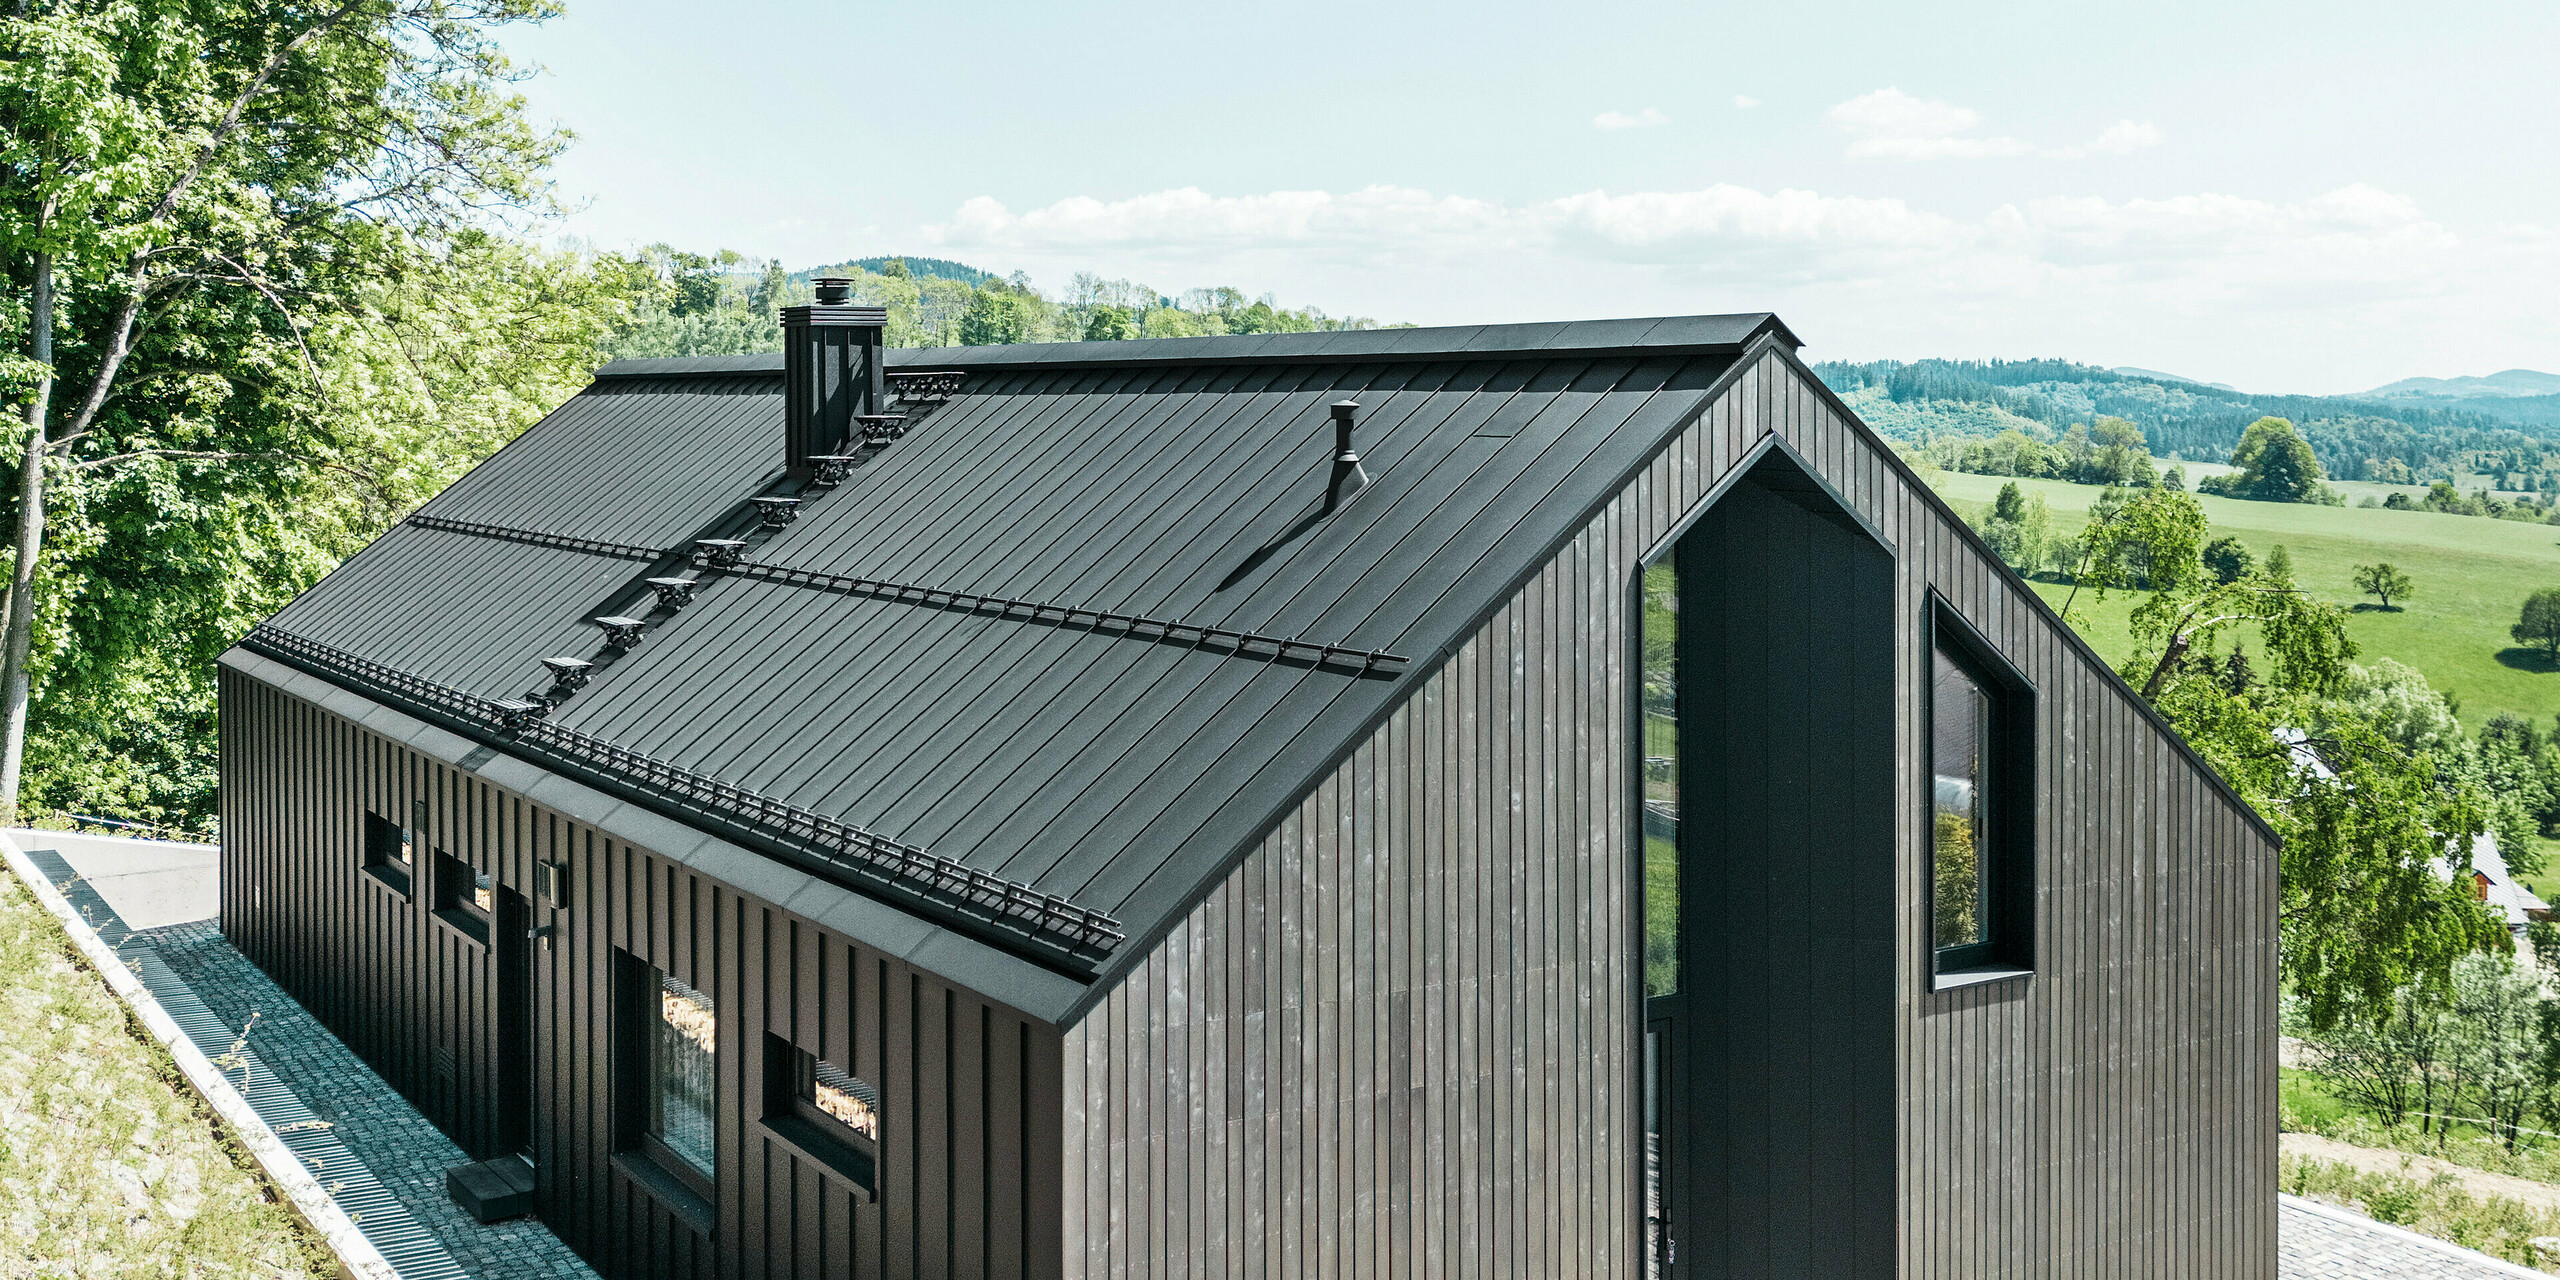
<point x="1111" y="765"/>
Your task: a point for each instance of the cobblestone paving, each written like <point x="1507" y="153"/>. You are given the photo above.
<point x="407" y="1153"/>
<point x="2316" y="1242"/>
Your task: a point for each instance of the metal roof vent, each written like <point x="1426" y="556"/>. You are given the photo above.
<point x="569" y="673"/>
<point x="1349" y="477"/>
<point x="674" y="593"/>
<point x="620" y="632"/>
<point x="718" y="553"/>
<point x="773" y="513"/>
<point x="516" y="713"/>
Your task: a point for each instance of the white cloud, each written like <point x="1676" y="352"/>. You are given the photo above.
<point x="1645" y="119"/>
<point x="2293" y="292"/>
<point x="1745" y="101"/>
<point x="2120" y="138"/>
<point x="1889" y="124"/>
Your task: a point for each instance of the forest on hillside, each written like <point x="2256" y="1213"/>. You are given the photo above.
<point x="727" y="304"/>
<point x="2395" y="441"/>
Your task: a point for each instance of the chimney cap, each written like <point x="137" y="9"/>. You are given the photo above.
<point x="1344" y="409"/>
<point x="834" y="289"/>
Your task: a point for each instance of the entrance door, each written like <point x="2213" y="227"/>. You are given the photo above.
<point x="514" y="950"/>
<point x="1768" y="818"/>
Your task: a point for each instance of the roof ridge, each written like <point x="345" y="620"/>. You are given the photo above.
<point x="1658" y="335"/>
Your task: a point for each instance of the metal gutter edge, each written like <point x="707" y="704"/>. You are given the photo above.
<point x="358" y="1259"/>
<point x="1032" y="989"/>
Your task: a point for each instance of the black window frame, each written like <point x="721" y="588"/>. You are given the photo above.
<point x="791" y="1117"/>
<point x="453" y="880"/>
<point x="388" y="852"/>
<point x="690" y="1191"/>
<point x="2007" y="846"/>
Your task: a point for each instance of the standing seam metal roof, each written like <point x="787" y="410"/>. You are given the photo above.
<point x="1173" y="479"/>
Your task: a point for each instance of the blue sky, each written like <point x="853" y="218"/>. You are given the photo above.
<point x="2284" y="197"/>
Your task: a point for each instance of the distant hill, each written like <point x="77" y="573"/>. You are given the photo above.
<point x="2154" y="374"/>
<point x="2512" y="383"/>
<point x="2368" y="437"/>
<point x="930" y="268"/>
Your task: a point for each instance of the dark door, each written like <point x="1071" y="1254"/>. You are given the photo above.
<point x="514" y="951"/>
<point x="1769" y="785"/>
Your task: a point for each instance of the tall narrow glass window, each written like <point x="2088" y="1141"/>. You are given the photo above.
<point x="1661" y="703"/>
<point x="1960" y="720"/>
<point x="682" y="1041"/>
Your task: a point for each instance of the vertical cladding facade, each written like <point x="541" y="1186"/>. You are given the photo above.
<point x="1399" y="1037"/>
<point x="969" y="1088"/>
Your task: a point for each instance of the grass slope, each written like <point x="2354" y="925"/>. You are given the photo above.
<point x="2472" y="576"/>
<point x="108" y="1166"/>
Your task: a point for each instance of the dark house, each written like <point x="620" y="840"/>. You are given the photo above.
<point x="1522" y="801"/>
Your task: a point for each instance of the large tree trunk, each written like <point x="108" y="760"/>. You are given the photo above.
<point x="30" y="545"/>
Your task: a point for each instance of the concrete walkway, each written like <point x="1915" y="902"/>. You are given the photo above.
<point x="149" y="883"/>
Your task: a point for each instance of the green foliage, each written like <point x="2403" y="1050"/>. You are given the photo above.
<point x="2539" y="622"/>
<point x="1109" y="324"/>
<point x="204" y="200"/>
<point x="2361" y="816"/>
<point x="2384" y="581"/>
<point x="996" y="315"/>
<point x="1955" y="903"/>
<point x="2226" y="557"/>
<point x="2275" y="465"/>
<point x="111" y="1166"/>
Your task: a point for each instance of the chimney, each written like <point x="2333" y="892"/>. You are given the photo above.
<point x="831" y="373"/>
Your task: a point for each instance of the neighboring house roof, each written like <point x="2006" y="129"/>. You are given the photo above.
<point x="2505" y="895"/>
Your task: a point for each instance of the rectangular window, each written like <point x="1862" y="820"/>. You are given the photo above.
<point x="462" y="896"/>
<point x="1661" y="801"/>
<point x="666" y="1051"/>
<point x="1960" y="714"/>
<point x="386" y="852"/>
<point x="1981" y="806"/>
<point x="826" y="1113"/>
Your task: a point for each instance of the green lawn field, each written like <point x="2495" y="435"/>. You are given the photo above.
<point x="2472" y="575"/>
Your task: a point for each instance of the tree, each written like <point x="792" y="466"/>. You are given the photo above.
<point x="2275" y="465"/>
<point x="2011" y="504"/>
<point x="2384" y="581"/>
<point x="190" y="188"/>
<point x="996" y="315"/>
<point x="2280" y="564"/>
<point x="2226" y="556"/>
<point x="2495" y="1043"/>
<point x="2539" y="622"/>
<point x="1109" y="324"/>
<point x="2363" y="820"/>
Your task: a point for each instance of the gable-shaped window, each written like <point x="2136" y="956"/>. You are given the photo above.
<point x="1981" y="808"/>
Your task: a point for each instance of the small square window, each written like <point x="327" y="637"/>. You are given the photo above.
<point x="826" y="1113"/>
<point x="1981" y="807"/>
